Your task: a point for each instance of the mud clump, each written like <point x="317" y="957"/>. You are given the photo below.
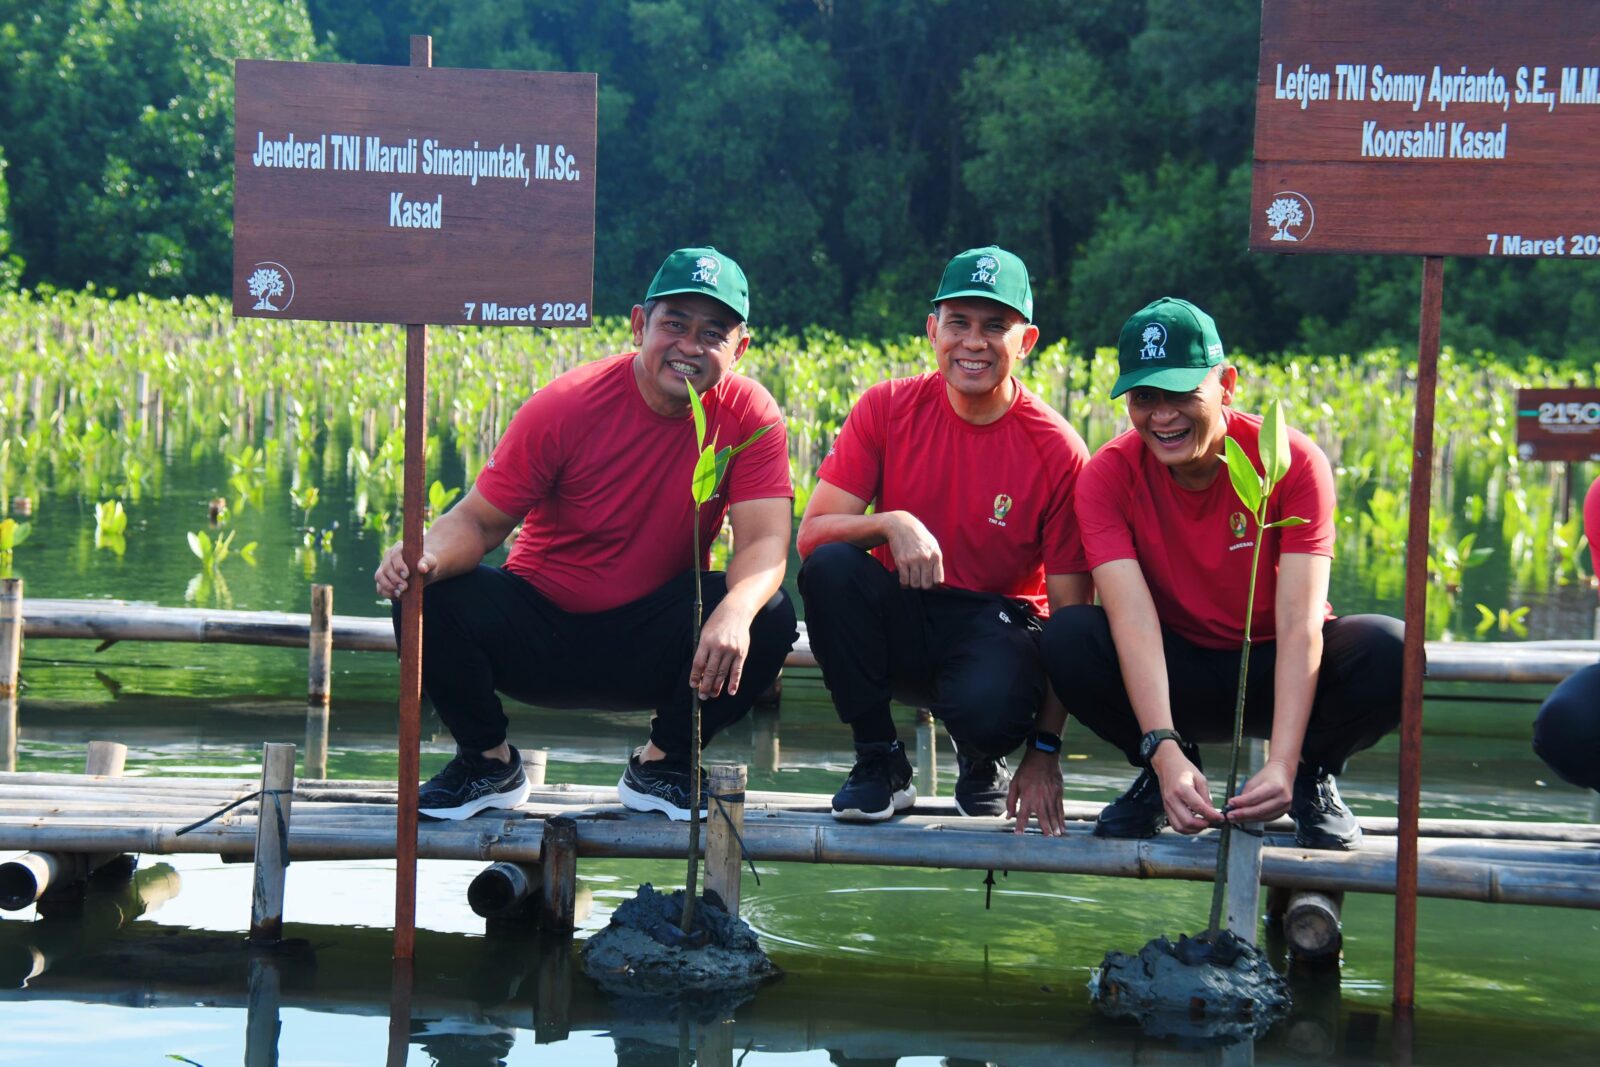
<point x="644" y="957"/>
<point x="1215" y="988"/>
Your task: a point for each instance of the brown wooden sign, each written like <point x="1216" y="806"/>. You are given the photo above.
<point x="1428" y="127"/>
<point x="1558" y="424"/>
<point x="413" y="194"/>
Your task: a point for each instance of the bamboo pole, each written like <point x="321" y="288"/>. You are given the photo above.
<point x="266" y="900"/>
<point x="504" y="890"/>
<point x="927" y="754"/>
<point x="320" y="661"/>
<point x="724" y="861"/>
<point x="317" y="719"/>
<point x="1312" y="926"/>
<point x="10" y="634"/>
<point x="8" y="732"/>
<point x="558" y="861"/>
<point x="535" y="763"/>
<point x="1241" y="908"/>
<point x="1405" y="899"/>
<point x="768" y="754"/>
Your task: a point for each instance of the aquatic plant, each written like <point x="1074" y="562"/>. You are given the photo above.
<point x="110" y="525"/>
<point x="1254" y="491"/>
<point x="710" y="466"/>
<point x="1506" y="620"/>
<point x="12" y="534"/>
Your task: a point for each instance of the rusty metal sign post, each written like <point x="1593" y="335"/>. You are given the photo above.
<point x="413" y="195"/>
<point x="1419" y="127"/>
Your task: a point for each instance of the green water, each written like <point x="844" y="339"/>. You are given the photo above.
<point x="882" y="966"/>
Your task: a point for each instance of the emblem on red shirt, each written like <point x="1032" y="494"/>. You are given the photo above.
<point x="1002" y="507"/>
<point x="1236" y="523"/>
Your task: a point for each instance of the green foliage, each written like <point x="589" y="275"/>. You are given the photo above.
<point x="13" y="533"/>
<point x="713" y="462"/>
<point x="123" y="112"/>
<point x="440" y="498"/>
<point x="10" y="265"/>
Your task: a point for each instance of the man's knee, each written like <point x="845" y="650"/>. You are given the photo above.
<point x="991" y="704"/>
<point x="775" y="625"/>
<point x="1076" y="639"/>
<point x="1566" y="735"/>
<point x="834" y="569"/>
<point x="1367" y="653"/>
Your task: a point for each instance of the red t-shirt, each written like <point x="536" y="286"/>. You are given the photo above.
<point x="602" y="482"/>
<point x="997" y="498"/>
<point x="1591" y="523"/>
<point x="1194" y="546"/>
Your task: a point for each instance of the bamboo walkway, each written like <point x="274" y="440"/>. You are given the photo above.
<point x="110" y="621"/>
<point x="1556" y="864"/>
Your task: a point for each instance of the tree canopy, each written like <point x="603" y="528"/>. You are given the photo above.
<point x="10" y="265"/>
<point x="841" y="151"/>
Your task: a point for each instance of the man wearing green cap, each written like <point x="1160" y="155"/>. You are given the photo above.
<point x="1170" y="546"/>
<point x="934" y="597"/>
<point x="593" y="607"/>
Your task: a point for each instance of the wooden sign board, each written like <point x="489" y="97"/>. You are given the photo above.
<point x="413" y="194"/>
<point x="1558" y="424"/>
<point x="1425" y="127"/>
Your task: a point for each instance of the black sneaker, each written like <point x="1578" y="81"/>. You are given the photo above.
<point x="470" y="783"/>
<point x="1321" y="819"/>
<point x="661" y="785"/>
<point x="981" y="784"/>
<point x="879" y="784"/>
<point x="1136" y="813"/>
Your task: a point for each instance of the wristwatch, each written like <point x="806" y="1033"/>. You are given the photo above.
<point x="1045" y="741"/>
<point x="1152" y="740"/>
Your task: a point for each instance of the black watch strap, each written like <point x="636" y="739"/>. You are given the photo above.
<point x="1045" y="741"/>
<point x="1152" y="740"/>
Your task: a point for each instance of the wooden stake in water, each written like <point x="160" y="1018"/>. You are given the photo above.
<point x="10" y="634"/>
<point x="272" y="831"/>
<point x="724" y="860"/>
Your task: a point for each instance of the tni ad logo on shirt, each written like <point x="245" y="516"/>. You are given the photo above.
<point x="1002" y="507"/>
<point x="1236" y="523"/>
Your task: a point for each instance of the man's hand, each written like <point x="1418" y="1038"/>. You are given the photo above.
<point x="719" y="661"/>
<point x="1036" y="791"/>
<point x="1266" y="796"/>
<point x="917" y="557"/>
<point x="392" y="573"/>
<point x="1184" y="791"/>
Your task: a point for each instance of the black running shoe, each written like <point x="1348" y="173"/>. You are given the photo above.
<point x="981" y="784"/>
<point x="470" y="783"/>
<point x="661" y="785"/>
<point x="1136" y="813"/>
<point x="1321" y="819"/>
<point x="879" y="784"/>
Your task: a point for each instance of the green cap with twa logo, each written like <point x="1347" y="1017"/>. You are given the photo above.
<point x="1168" y="344"/>
<point x="703" y="270"/>
<point x="990" y="272"/>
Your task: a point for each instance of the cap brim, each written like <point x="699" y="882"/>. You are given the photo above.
<point x="986" y="294"/>
<point x="1171" y="379"/>
<point x="697" y="292"/>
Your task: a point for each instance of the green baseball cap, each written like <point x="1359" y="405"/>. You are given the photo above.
<point x="703" y="270"/>
<point x="1167" y="344"/>
<point x="990" y="272"/>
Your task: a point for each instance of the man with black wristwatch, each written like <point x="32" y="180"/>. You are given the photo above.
<point x="1170" y="545"/>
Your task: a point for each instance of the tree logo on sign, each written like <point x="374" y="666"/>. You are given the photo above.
<point x="1287" y="213"/>
<point x="268" y="282"/>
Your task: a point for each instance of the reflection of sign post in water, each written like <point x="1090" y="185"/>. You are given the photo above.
<point x="1422" y="128"/>
<point x="413" y="195"/>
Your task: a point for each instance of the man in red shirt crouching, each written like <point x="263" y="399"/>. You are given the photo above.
<point x="593" y="609"/>
<point x="1170" y="546"/>
<point x="933" y="597"/>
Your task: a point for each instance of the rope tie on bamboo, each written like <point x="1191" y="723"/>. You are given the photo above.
<point x="283" y="824"/>
<point x="735" y="798"/>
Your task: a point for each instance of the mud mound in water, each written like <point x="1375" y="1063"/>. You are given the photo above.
<point x="643" y="956"/>
<point x="1213" y="988"/>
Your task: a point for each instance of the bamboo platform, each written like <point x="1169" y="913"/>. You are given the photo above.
<point x="1551" y="864"/>
<point x="110" y="621"/>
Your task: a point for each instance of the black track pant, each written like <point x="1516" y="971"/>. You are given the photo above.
<point x="1357" y="698"/>
<point x="1567" y="733"/>
<point x="488" y="632"/>
<point x="970" y="658"/>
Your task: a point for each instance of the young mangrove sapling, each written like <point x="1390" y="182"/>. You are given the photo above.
<point x="709" y="468"/>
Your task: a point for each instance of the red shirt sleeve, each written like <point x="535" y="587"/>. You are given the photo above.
<point x="524" y="464"/>
<point x="855" y="462"/>
<point x="1101" y="507"/>
<point x="1063" y="538"/>
<point x="1591" y="523"/>
<point x="1307" y="492"/>
<point x="762" y="470"/>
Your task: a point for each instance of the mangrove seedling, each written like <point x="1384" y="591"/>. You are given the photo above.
<point x="1506" y="620"/>
<point x="709" y="468"/>
<point x="110" y="525"/>
<point x="305" y="500"/>
<point x="1254" y="490"/>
